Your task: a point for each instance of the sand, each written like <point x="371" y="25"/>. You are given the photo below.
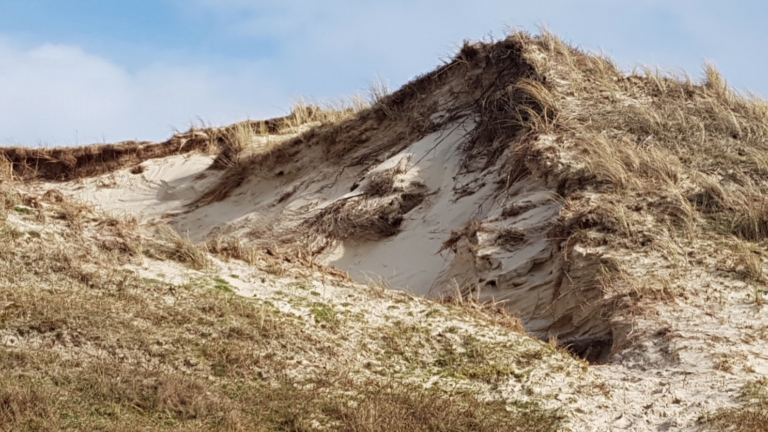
<point x="162" y="188"/>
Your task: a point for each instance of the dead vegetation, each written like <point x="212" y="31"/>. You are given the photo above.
<point x="496" y="311"/>
<point x="232" y="248"/>
<point x="175" y="247"/>
<point x="750" y="416"/>
<point x="649" y="135"/>
<point x="70" y="163"/>
<point x="376" y="213"/>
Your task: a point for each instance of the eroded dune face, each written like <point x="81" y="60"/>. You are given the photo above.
<point x="429" y="191"/>
<point x="416" y="221"/>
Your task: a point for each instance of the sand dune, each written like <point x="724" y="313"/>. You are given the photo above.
<point x="619" y="216"/>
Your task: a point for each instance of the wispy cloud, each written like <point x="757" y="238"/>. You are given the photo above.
<point x="60" y="95"/>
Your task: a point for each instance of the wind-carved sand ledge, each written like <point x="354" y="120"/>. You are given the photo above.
<point x="524" y="174"/>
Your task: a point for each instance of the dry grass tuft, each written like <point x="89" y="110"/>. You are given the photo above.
<point x="75" y="214"/>
<point x="370" y="217"/>
<point x="383" y="183"/>
<point x="304" y="113"/>
<point x="496" y="311"/>
<point x="6" y="169"/>
<point x="378" y="90"/>
<point x="355" y="218"/>
<point x="750" y="416"/>
<point x="232" y="248"/>
<point x="748" y="260"/>
<point x="174" y="246"/>
<point x="232" y="141"/>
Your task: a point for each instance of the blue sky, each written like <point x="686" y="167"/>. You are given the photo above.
<point x="83" y="71"/>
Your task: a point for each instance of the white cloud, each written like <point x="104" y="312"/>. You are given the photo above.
<point x="58" y="94"/>
<point x="331" y="48"/>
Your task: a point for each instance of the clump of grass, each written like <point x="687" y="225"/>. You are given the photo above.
<point x="495" y="311"/>
<point x="232" y="142"/>
<point x="180" y="249"/>
<point x="750" y="219"/>
<point x="74" y="213"/>
<point x="6" y="169"/>
<point x="361" y="217"/>
<point x="232" y="247"/>
<point x="750" y="416"/>
<point x="758" y="293"/>
<point x="378" y="89"/>
<point x="305" y="113"/>
<point x="749" y="260"/>
<point x="8" y="200"/>
<point x="477" y="360"/>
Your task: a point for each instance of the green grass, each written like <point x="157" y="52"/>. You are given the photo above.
<point x="152" y="281"/>
<point x="222" y="285"/>
<point x="324" y="314"/>
<point x="476" y="361"/>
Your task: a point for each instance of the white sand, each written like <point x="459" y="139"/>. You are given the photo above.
<point x="164" y="188"/>
<point x="411" y="260"/>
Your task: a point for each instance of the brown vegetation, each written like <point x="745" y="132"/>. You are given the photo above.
<point x="750" y="416"/>
<point x="70" y="163"/>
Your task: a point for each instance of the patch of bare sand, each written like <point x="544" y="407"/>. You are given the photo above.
<point x="153" y="190"/>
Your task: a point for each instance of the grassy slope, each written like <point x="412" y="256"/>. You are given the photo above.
<point x="88" y="345"/>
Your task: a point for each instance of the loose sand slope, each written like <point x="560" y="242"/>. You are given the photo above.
<point x="524" y="173"/>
